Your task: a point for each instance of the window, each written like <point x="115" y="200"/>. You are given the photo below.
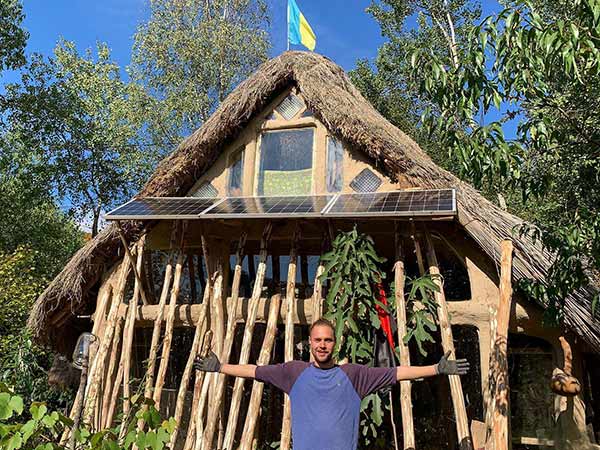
<point x="236" y="170"/>
<point x="335" y="159"/>
<point x="286" y="162"/>
<point x="289" y="107"/>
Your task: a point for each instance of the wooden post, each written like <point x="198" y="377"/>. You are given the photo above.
<point x="97" y="368"/>
<point x="408" y="430"/>
<point x="112" y="380"/>
<point x="290" y="299"/>
<point x="136" y="272"/>
<point x="130" y="330"/>
<point x="199" y="399"/>
<point x="257" y="387"/>
<point x="238" y="388"/>
<point x="458" y="400"/>
<point x="166" y="349"/>
<point x="217" y="399"/>
<point x="201" y="385"/>
<point x="187" y="371"/>
<point x="498" y="371"/>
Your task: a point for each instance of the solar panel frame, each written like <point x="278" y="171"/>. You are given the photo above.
<point x="287" y="211"/>
<point x="361" y="204"/>
<point x="118" y="213"/>
<point x="411" y="211"/>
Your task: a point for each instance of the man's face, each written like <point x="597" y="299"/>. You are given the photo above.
<point x="322" y="341"/>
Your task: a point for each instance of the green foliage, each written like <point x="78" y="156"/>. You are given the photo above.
<point x="540" y="72"/>
<point x="189" y="56"/>
<point x="422" y="311"/>
<point x="441" y="27"/>
<point x="352" y="269"/>
<point x="70" y="126"/>
<point x="12" y="36"/>
<point x="42" y="431"/>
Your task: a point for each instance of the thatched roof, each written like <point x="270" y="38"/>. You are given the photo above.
<point x="328" y="92"/>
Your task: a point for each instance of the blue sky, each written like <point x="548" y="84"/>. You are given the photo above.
<point x="344" y="31"/>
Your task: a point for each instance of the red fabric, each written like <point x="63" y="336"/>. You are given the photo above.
<point x="384" y="317"/>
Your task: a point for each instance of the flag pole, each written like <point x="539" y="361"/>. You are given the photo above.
<point x="287" y="30"/>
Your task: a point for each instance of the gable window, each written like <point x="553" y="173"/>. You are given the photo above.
<point x="286" y="159"/>
<point x="236" y="170"/>
<point x="335" y="159"/>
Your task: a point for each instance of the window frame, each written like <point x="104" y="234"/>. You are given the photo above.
<point x="291" y="127"/>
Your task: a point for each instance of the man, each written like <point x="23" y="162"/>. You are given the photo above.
<point x="325" y="397"/>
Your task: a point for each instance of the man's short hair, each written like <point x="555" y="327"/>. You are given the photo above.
<point x="322" y="322"/>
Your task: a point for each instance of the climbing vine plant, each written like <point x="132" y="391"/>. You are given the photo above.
<point x="352" y="269"/>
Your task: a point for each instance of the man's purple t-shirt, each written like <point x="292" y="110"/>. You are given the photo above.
<point x="326" y="402"/>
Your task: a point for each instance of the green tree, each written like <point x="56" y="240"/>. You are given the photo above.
<point x="539" y="73"/>
<point x="13" y="37"/>
<point x="189" y="56"/>
<point x="441" y="27"/>
<point x="70" y="117"/>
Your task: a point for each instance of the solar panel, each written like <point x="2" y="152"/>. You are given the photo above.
<point x="161" y="208"/>
<point x="402" y="203"/>
<point x="252" y="207"/>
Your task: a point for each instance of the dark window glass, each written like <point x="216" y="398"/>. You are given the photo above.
<point x="286" y="162"/>
<point x="335" y="160"/>
<point x="236" y="171"/>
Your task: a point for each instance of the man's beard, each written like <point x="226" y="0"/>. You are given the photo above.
<point x="318" y="357"/>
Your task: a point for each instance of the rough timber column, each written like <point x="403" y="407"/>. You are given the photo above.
<point x="458" y="400"/>
<point x="290" y="299"/>
<point x="408" y="431"/>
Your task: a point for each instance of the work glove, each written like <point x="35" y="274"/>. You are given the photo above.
<point x="452" y="367"/>
<point x="210" y="363"/>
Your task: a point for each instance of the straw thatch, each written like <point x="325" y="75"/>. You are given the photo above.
<point x="329" y="93"/>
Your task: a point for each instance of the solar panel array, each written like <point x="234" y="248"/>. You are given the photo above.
<point x="401" y="203"/>
<point x="440" y="202"/>
<point x="162" y="208"/>
<point x="300" y="205"/>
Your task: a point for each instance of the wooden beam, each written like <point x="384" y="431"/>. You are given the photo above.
<point x="408" y="429"/>
<point x="130" y="329"/>
<point x="170" y="322"/>
<point x="458" y="400"/>
<point x="136" y="272"/>
<point x="290" y="304"/>
<point x="238" y="387"/>
<point x="217" y="400"/>
<point x="498" y="371"/>
<point x="97" y="368"/>
<point x="196" y="413"/>
<point x="257" y="386"/>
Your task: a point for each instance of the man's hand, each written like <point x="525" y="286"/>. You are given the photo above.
<point x="454" y="367"/>
<point x="210" y="363"/>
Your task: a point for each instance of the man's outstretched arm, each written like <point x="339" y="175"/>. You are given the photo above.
<point x="211" y="363"/>
<point x="444" y="367"/>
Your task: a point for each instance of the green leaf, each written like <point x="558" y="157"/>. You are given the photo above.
<point x="14" y="442"/>
<point x="16" y="403"/>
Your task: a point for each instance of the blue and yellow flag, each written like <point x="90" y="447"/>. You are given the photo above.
<point x="299" y="31"/>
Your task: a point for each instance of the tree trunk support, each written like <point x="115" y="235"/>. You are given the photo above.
<point x="458" y="400"/>
<point x="408" y="430"/>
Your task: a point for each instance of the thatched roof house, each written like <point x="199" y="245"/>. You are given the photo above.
<point x="328" y="92"/>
